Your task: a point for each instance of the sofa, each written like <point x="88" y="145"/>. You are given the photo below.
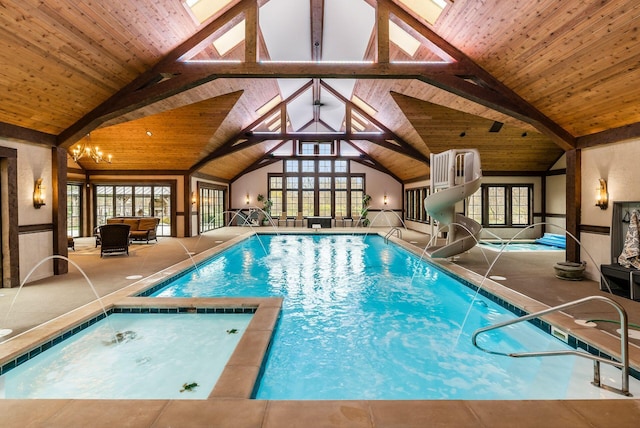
<point x="141" y="228"/>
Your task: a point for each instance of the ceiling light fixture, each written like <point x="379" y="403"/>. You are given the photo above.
<point x="84" y="149"/>
<point x="149" y="133"/>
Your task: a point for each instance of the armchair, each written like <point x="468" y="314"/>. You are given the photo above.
<point x="114" y="238"/>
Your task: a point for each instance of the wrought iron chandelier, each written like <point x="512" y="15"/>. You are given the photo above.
<point x="85" y="149"/>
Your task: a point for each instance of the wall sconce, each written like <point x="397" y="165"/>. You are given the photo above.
<point x="194" y="198"/>
<point x="247" y="199"/>
<point x="38" y="194"/>
<point x="602" y="198"/>
<point x="385" y="199"/>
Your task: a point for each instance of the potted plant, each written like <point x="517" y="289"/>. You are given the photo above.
<point x="366" y="200"/>
<point x="266" y="207"/>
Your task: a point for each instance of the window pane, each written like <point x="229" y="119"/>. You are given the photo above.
<point x="275" y="182"/>
<point x="142" y="201"/>
<point x="292" y="183"/>
<point x="124" y="199"/>
<point x="308" y="208"/>
<point x="340" y="166"/>
<point x="211" y="209"/>
<point x="308" y="149"/>
<point x="292" y="203"/>
<point x="325" y="148"/>
<point x="73" y="210"/>
<point x="341" y="203"/>
<point x="205" y="210"/>
<point x="324" y="166"/>
<point x="341" y="182"/>
<point x="474" y="206"/>
<point x="291" y="166"/>
<point x="520" y="205"/>
<point x="324" y="199"/>
<point x="324" y="182"/>
<point x="104" y="204"/>
<point x="276" y="198"/>
<point x="496" y="205"/>
<point x="308" y="166"/>
<point x="357" y="183"/>
<point x="162" y="209"/>
<point x="308" y="182"/>
<point x="356" y="202"/>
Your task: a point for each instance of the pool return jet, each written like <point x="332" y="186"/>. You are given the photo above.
<point x="455" y="175"/>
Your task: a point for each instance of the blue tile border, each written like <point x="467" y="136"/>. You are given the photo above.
<point x="133" y="310"/>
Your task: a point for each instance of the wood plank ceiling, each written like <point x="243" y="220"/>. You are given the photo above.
<point x="560" y="73"/>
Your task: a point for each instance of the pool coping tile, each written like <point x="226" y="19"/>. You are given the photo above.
<point x="236" y="381"/>
<point x="212" y="413"/>
<point x="318" y="414"/>
<point x="422" y="413"/>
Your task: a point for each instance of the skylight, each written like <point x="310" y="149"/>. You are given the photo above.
<point x="269" y="105"/>
<point x="230" y="39"/>
<point x="430" y="10"/>
<point x="363" y="106"/>
<point x="404" y="40"/>
<point x="205" y="9"/>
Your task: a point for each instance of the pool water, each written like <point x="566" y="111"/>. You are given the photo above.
<point x="517" y="246"/>
<point x="362" y="319"/>
<point x="132" y="356"/>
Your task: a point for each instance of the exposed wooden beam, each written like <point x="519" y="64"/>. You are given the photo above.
<point x="232" y="145"/>
<point x="614" y="135"/>
<point x="316" y="100"/>
<point x="317" y="28"/>
<point x="403" y="147"/>
<point x="382" y="32"/>
<point x="367" y="160"/>
<point x="251" y="33"/>
<point x="14" y="132"/>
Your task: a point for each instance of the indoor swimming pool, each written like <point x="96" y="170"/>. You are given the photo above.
<point x="130" y="356"/>
<point x="365" y="319"/>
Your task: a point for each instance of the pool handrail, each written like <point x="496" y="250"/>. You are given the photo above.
<point x="393" y="230"/>
<point x="624" y="343"/>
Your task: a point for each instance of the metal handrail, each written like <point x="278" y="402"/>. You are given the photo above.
<point x="390" y="232"/>
<point x="624" y="343"/>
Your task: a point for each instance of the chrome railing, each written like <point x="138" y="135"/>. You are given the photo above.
<point x="391" y="232"/>
<point x="623" y="364"/>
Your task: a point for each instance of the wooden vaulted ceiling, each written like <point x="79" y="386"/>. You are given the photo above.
<point x="550" y="76"/>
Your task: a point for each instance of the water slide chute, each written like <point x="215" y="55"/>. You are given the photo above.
<point x="455" y="175"/>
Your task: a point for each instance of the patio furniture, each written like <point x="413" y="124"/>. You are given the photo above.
<point x="114" y="239"/>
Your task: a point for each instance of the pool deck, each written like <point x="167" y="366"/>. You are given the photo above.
<point x="528" y="276"/>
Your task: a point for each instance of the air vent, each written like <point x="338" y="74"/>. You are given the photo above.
<point x="496" y="127"/>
